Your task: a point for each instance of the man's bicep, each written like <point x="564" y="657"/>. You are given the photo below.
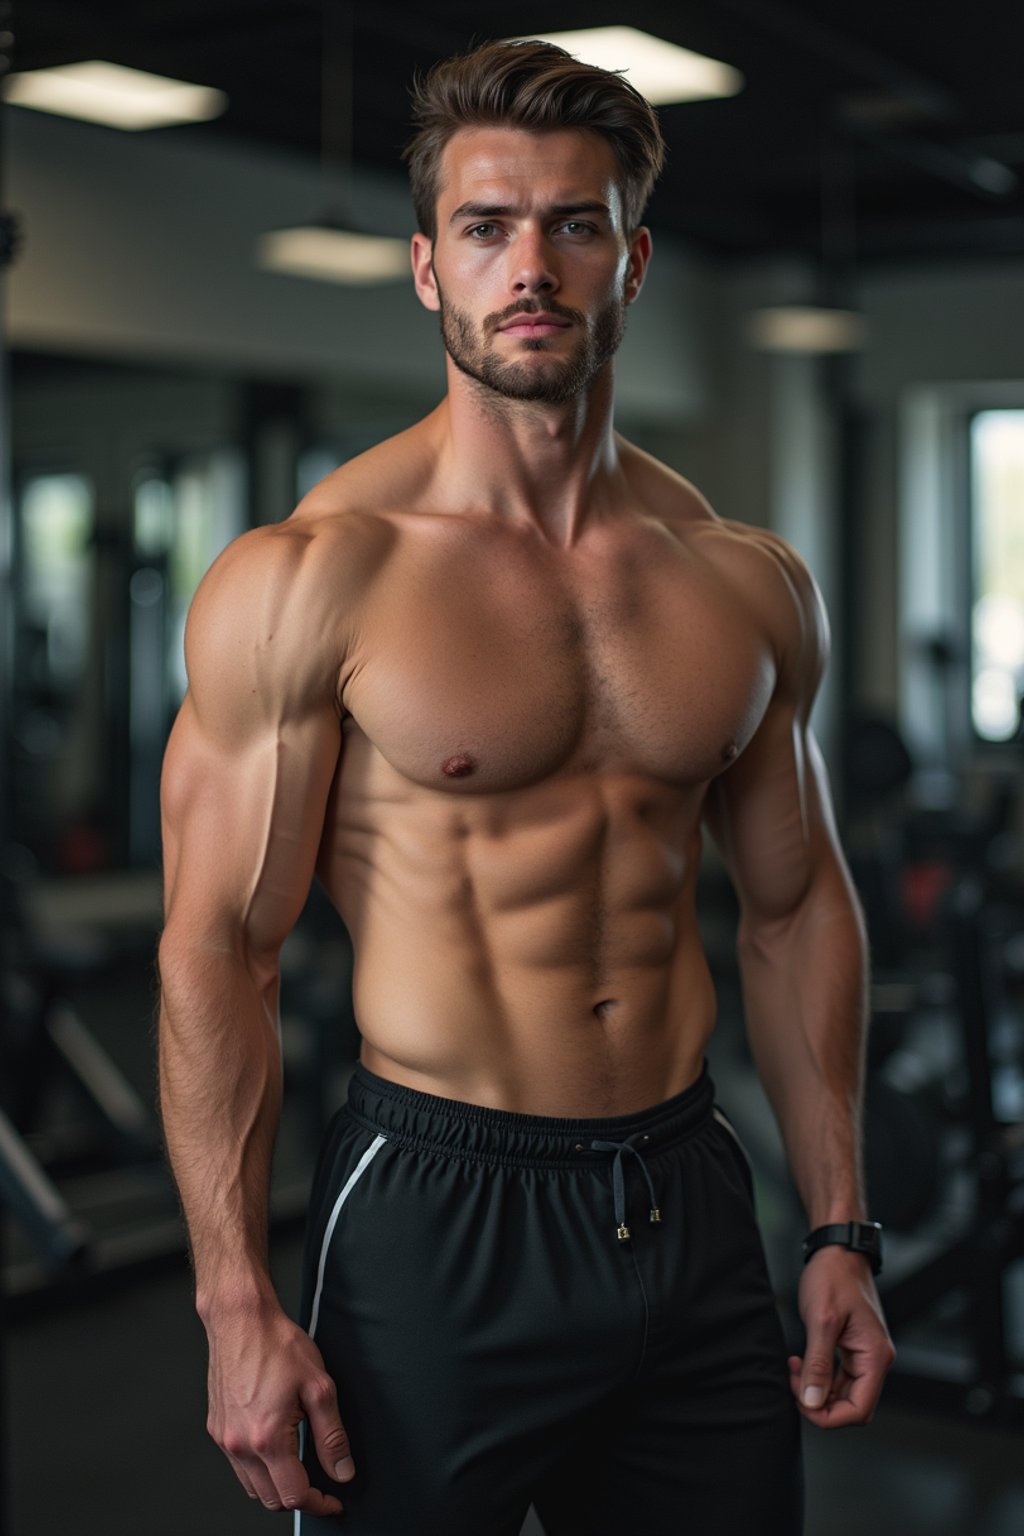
<point x="242" y="828"/>
<point x="248" y="768"/>
<point x="770" y="815"/>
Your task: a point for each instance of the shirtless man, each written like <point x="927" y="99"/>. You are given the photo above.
<point x="488" y="682"/>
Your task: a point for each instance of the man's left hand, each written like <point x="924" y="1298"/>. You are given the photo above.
<point x="841" y="1312"/>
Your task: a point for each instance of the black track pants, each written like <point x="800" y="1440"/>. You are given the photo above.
<point x="497" y="1339"/>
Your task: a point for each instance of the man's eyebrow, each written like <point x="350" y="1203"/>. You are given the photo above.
<point x="481" y="211"/>
<point x="505" y="210"/>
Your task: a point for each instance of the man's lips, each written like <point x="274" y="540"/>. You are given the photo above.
<point x="534" y="325"/>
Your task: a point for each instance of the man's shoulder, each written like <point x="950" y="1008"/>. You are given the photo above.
<point x="762" y="549"/>
<point x="743" y="547"/>
<point x="282" y="600"/>
<point x="780" y="587"/>
<point x="784" y="565"/>
<point x="304" y="579"/>
<point x="284" y="567"/>
<point x="331" y="545"/>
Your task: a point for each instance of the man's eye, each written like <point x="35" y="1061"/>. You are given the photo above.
<point x="577" y="227"/>
<point x="483" y="231"/>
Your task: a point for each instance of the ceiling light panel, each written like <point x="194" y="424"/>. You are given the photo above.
<point x="661" y="71"/>
<point x="99" y="92"/>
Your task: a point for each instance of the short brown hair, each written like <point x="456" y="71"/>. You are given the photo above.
<point x="539" y="87"/>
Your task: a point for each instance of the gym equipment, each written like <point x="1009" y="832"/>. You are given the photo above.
<point x="33" y="1200"/>
<point x="976" y="1261"/>
<point x="47" y="1049"/>
<point x="944" y="1102"/>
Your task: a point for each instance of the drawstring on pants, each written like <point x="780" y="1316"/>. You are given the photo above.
<point x="619" y="1182"/>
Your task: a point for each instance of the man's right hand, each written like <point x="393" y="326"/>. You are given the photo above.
<point x="266" y="1376"/>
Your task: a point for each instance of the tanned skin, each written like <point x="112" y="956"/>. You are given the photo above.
<point x="488" y="682"/>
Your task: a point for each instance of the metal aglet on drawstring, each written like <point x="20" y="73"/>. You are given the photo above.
<point x="622" y="1231"/>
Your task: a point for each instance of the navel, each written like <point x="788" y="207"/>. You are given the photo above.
<point x="458" y="767"/>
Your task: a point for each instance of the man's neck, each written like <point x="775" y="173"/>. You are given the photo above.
<point x="550" y="466"/>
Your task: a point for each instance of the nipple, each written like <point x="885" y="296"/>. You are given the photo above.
<point x="730" y="751"/>
<point x="459" y="766"/>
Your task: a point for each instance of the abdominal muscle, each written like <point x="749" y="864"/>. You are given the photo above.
<point x="536" y="951"/>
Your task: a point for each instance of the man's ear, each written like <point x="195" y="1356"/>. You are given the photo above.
<point x="639" y="256"/>
<point x="422" y="253"/>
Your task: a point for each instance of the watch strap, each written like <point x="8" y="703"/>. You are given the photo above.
<point x="859" y="1236"/>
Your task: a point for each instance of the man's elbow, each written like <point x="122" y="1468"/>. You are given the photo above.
<point x="826" y="904"/>
<point x="198" y="962"/>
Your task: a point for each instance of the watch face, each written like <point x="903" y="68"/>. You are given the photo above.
<point x="868" y="1238"/>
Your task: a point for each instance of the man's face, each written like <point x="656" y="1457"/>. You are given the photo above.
<point x="531" y="269"/>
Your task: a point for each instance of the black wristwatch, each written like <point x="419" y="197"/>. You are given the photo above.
<point x="859" y="1236"/>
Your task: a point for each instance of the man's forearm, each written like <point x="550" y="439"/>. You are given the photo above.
<point x="805" y="990"/>
<point x="220" y="1098"/>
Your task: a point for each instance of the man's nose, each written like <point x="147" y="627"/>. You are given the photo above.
<point x="532" y="265"/>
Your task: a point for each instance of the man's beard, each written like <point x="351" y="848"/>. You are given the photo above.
<point x="554" y="383"/>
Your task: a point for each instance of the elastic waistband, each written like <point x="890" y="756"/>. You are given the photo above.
<point x="483" y="1134"/>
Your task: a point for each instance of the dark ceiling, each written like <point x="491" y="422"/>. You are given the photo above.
<point x="901" y="123"/>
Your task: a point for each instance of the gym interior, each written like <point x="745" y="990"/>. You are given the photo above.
<point x="830" y="344"/>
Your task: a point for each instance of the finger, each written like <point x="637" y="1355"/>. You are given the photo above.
<point x="862" y="1387"/>
<point x="294" y="1490"/>
<point x="851" y="1401"/>
<point x="837" y="1414"/>
<point x="292" y="1482"/>
<point x="262" y="1484"/>
<point x="249" y="1469"/>
<point x="836" y="1386"/>
<point x="272" y="1464"/>
<point x="242" y="1475"/>
<point x="818" y="1365"/>
<point x="333" y="1450"/>
<point x="281" y="1484"/>
<point x="317" y="1503"/>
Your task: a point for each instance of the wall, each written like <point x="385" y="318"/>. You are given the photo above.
<point x="141" y="245"/>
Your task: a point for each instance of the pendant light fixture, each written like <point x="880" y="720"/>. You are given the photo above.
<point x="334" y="248"/>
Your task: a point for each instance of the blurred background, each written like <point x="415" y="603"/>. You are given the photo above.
<point x="206" y="310"/>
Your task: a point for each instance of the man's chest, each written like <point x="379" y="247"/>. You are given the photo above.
<point x="485" y="671"/>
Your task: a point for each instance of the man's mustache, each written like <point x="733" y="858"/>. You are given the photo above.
<point x="532" y="307"/>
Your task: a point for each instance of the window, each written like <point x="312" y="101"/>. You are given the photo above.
<point x="997" y="606"/>
<point x="56" y="532"/>
<point x="181" y="522"/>
<point x="182" y="517"/>
<point x="53" y="597"/>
